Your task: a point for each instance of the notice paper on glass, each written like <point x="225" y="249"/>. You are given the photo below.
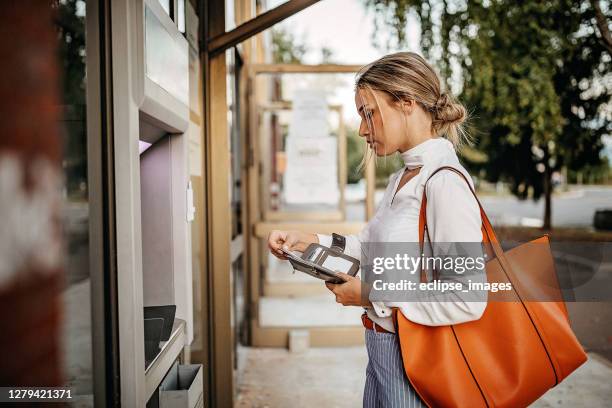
<point x="309" y="114"/>
<point x="312" y="171"/>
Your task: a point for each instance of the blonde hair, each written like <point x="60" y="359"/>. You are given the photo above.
<point x="407" y="76"/>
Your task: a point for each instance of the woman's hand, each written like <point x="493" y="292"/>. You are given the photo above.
<point x="349" y="292"/>
<point x="291" y="240"/>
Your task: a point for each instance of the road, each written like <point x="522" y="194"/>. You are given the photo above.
<point x="574" y="208"/>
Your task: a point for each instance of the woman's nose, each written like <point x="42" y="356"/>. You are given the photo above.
<point x="363" y="130"/>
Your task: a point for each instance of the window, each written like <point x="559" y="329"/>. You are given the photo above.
<point x="77" y="342"/>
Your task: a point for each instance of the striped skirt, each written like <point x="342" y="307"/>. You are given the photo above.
<point x="386" y="383"/>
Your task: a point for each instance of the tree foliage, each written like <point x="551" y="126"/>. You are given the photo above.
<point x="70" y="27"/>
<point x="535" y="75"/>
<point x="285" y="48"/>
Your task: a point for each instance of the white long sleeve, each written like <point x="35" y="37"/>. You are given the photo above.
<point x="453" y="216"/>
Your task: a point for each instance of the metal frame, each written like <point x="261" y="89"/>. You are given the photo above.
<point x="261" y="227"/>
<point x="216" y="166"/>
<point x="127" y="204"/>
<point x="222" y="40"/>
<point x="303" y="69"/>
<point x="102" y="234"/>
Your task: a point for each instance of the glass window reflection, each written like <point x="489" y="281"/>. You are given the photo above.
<point x="77" y="348"/>
<point x="165" y="5"/>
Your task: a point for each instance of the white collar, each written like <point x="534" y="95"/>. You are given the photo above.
<point x="426" y="151"/>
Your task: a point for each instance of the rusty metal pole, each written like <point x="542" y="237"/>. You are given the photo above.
<point x="30" y="196"/>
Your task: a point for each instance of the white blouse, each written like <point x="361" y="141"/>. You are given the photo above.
<point x="453" y="215"/>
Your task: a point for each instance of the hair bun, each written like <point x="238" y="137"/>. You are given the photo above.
<point x="442" y="101"/>
<point x="447" y="111"/>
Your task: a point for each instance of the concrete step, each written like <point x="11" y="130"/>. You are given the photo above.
<point x="294" y="289"/>
<point x="307" y="311"/>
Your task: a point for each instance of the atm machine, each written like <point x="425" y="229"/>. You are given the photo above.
<point x="151" y="104"/>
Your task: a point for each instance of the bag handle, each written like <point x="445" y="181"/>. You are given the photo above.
<point x="488" y="233"/>
<point x="486" y="224"/>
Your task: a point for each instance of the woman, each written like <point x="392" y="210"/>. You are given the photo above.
<point x="403" y="110"/>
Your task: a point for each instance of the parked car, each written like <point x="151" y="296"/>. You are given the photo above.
<point x="602" y="220"/>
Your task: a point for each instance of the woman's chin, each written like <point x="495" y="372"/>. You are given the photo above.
<point x="379" y="150"/>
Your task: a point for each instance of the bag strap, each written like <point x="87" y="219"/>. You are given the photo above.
<point x="488" y="234"/>
<point x="486" y="224"/>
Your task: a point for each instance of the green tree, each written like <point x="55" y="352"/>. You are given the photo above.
<point x="534" y="74"/>
<point x="285" y="48"/>
<point x="70" y="27"/>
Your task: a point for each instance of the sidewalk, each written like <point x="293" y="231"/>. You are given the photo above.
<point x="334" y="377"/>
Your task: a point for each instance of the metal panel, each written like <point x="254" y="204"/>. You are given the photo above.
<point x="219" y="221"/>
<point x="222" y="40"/>
<point x="100" y="174"/>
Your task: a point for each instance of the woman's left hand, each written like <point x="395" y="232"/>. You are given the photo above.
<point x="349" y="292"/>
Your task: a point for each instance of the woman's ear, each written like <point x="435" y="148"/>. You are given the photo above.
<point x="407" y="106"/>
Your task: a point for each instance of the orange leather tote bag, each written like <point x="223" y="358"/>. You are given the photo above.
<point x="509" y="357"/>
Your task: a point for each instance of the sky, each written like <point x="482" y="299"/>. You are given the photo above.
<point x="347" y="28"/>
